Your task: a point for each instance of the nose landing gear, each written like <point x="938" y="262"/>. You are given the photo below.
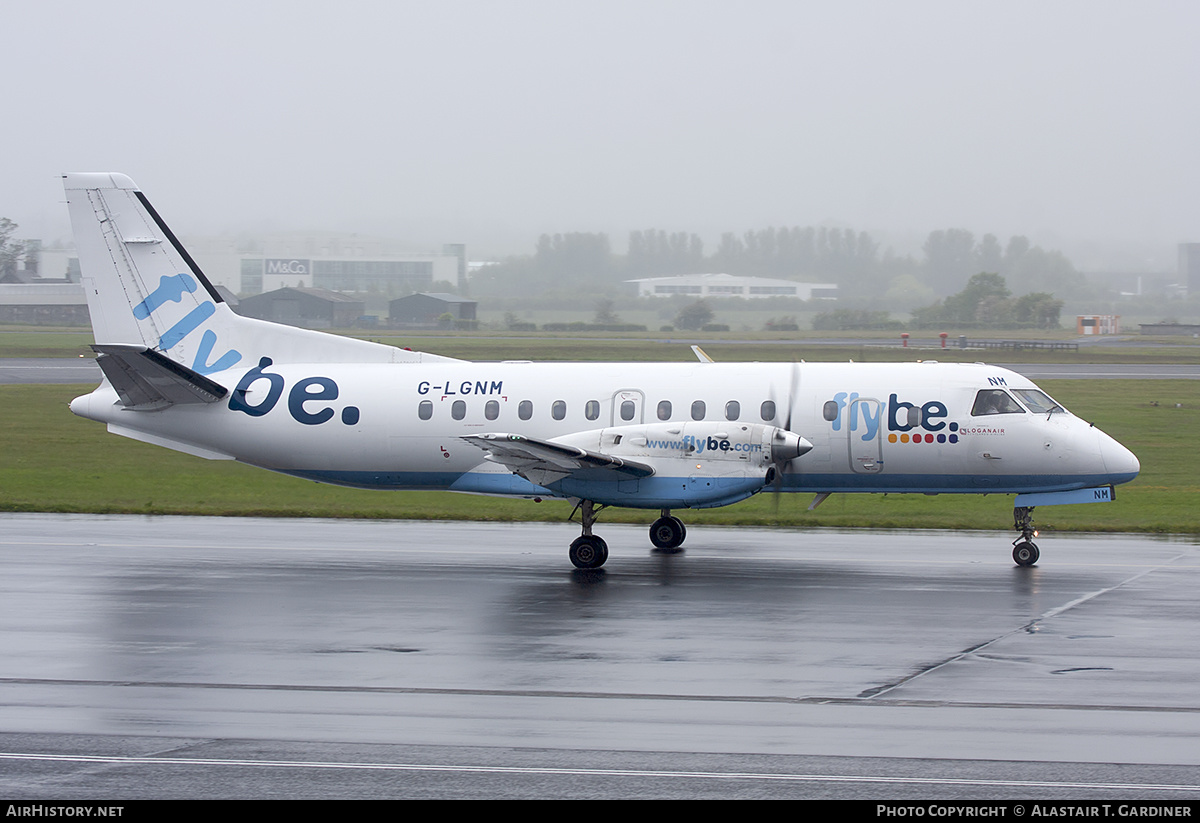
<point x="1025" y="551"/>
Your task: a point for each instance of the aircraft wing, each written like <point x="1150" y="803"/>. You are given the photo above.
<point x="544" y="461"/>
<point x="146" y="380"/>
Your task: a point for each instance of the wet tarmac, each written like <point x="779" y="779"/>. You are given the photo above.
<point x="222" y="657"/>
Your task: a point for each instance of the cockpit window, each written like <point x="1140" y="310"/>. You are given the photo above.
<point x="1037" y="402"/>
<point x="995" y="401"/>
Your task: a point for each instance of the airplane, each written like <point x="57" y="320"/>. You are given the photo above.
<point x="183" y="371"/>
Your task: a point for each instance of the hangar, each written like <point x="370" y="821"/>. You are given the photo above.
<point x="426" y="311"/>
<point x="308" y="308"/>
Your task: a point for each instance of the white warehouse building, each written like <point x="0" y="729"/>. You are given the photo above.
<point x="731" y="285"/>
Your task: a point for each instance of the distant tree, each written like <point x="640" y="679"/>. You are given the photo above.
<point x="574" y="257"/>
<point x="906" y="291"/>
<point x="986" y="303"/>
<point x="988" y="254"/>
<point x="1017" y="247"/>
<point x="1038" y="309"/>
<point x="782" y="324"/>
<point x="694" y="316"/>
<point x="11" y="250"/>
<point x="949" y="257"/>
<point x="856" y="319"/>
<point x="982" y="295"/>
<point x="605" y="315"/>
<point x="1046" y="270"/>
<point x="658" y="253"/>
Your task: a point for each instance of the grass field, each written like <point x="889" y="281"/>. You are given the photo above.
<point x="664" y="347"/>
<point x="54" y="461"/>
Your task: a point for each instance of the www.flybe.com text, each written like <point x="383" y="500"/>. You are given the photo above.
<point x="699" y="445"/>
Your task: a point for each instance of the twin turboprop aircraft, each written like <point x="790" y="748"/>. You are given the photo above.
<point x="181" y="370"/>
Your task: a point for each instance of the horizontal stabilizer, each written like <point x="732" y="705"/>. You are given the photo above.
<point x="145" y="380"/>
<point x="544" y="461"/>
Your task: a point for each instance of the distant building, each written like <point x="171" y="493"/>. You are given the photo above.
<point x="1170" y="328"/>
<point x="324" y="260"/>
<point x="424" y="310"/>
<point x="1097" y="324"/>
<point x="459" y="252"/>
<point x="308" y="308"/>
<point x="731" y="285"/>
<point x="258" y="274"/>
<point x="43" y="304"/>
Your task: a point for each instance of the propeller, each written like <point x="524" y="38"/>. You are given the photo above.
<point x="786" y="445"/>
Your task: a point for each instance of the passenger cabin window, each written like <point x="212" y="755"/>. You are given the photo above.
<point x="767" y="410"/>
<point x="458" y="409"/>
<point x="628" y="410"/>
<point x="525" y="409"/>
<point x="733" y="410"/>
<point x="830" y="410"/>
<point x="994" y="401"/>
<point x="492" y="409"/>
<point x="697" y="409"/>
<point x="559" y="409"/>
<point x="664" y="409"/>
<point x="592" y="410"/>
<point x="425" y="410"/>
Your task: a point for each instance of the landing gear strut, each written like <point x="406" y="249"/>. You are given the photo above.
<point x="667" y="532"/>
<point x="588" y="551"/>
<point x="1025" y="551"/>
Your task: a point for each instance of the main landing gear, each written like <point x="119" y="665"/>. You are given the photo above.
<point x="589" y="551"/>
<point x="1025" y="551"/>
<point x="667" y="532"/>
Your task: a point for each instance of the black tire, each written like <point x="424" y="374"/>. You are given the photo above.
<point x="588" y="552"/>
<point x="667" y="533"/>
<point x="1025" y="554"/>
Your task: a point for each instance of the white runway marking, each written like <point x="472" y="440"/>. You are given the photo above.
<point x="640" y="773"/>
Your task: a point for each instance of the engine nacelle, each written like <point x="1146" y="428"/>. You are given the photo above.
<point x="745" y="444"/>
<point x="696" y="465"/>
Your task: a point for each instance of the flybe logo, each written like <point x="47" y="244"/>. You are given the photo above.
<point x="171" y="290"/>
<point x="310" y="390"/>
<point x="905" y="422"/>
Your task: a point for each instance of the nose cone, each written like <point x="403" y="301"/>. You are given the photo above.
<point x="786" y="445"/>
<point x="1120" y="463"/>
<point x="82" y="405"/>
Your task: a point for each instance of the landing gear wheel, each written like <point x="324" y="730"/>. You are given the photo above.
<point x="588" y="552"/>
<point x="667" y="533"/>
<point x="1026" y="553"/>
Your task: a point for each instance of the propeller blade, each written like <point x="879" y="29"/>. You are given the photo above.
<point x="789" y="447"/>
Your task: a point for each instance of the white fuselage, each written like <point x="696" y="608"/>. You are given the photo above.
<point x="873" y="427"/>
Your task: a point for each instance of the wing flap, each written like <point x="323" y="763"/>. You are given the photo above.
<point x="145" y="380"/>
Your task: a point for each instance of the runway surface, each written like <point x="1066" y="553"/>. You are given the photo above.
<point x="49" y="370"/>
<point x="213" y="657"/>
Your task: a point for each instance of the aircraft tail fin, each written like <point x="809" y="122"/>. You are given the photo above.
<point x="145" y="291"/>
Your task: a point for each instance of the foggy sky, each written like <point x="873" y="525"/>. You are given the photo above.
<point x="488" y="123"/>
